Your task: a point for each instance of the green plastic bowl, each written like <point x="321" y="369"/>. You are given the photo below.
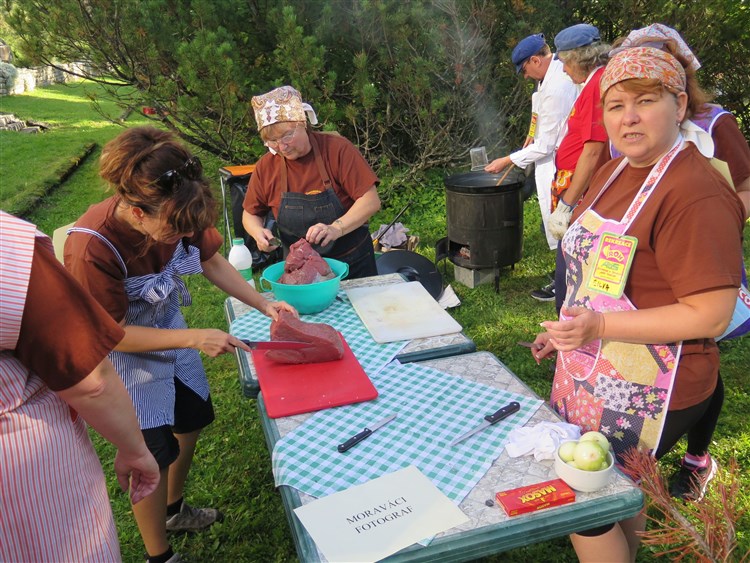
<point x="308" y="298"/>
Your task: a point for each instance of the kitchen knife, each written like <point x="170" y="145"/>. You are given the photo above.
<point x="276" y="344"/>
<point x="357" y="438"/>
<point x="489" y="420"/>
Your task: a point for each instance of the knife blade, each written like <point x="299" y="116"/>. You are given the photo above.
<point x="276" y="344"/>
<point x="357" y="438"/>
<point x="489" y="420"/>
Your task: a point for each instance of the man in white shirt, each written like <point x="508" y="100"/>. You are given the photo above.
<point x="550" y="106"/>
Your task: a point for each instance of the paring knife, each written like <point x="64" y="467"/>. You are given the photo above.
<point x="276" y="344"/>
<point x="357" y="438"/>
<point x="489" y="420"/>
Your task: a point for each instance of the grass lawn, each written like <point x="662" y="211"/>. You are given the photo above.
<point x="33" y="164"/>
<point x="232" y="465"/>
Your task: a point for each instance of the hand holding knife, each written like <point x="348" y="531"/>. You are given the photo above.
<point x="357" y="438"/>
<point x="489" y="420"/>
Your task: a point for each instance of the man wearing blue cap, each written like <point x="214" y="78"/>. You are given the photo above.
<point x="550" y="106"/>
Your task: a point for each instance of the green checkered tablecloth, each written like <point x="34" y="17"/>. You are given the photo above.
<point x="342" y="316"/>
<point x="433" y="409"/>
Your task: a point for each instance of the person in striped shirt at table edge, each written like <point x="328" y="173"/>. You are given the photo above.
<point x="54" y="374"/>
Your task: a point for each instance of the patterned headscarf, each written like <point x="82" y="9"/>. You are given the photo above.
<point x="281" y="104"/>
<point x="643" y="62"/>
<point x="657" y="35"/>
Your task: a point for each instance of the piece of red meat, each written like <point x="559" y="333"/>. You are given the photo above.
<point x="325" y="341"/>
<point x="303" y="265"/>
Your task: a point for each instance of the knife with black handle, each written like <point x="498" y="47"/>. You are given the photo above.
<point x="489" y="420"/>
<point x="357" y="438"/>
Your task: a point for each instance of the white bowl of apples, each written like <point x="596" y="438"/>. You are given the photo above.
<point x="585" y="465"/>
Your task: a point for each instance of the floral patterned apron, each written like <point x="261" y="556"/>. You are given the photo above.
<point x="620" y="389"/>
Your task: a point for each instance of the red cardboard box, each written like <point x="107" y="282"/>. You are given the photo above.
<point x="535" y="497"/>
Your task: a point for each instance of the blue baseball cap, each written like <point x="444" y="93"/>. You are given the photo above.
<point x="576" y="36"/>
<point x="527" y="47"/>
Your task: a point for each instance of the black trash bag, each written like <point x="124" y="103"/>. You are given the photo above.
<point x="237" y="191"/>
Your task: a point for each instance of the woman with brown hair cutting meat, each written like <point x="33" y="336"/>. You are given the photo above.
<point x="130" y="252"/>
<point x="318" y="186"/>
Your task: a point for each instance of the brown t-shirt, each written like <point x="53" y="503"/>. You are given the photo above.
<point x="349" y="172"/>
<point x="731" y="147"/>
<point x="96" y="267"/>
<point x="689" y="240"/>
<point x="64" y="333"/>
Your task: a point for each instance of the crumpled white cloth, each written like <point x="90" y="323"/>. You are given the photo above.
<point x="395" y="236"/>
<point x="700" y="138"/>
<point x="542" y="440"/>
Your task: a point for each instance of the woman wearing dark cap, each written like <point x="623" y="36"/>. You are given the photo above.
<point x="649" y="287"/>
<point x="130" y="252"/>
<point x="582" y="149"/>
<point x="318" y="186"/>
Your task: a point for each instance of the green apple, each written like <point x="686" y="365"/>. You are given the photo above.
<point x="589" y="455"/>
<point x="597" y="437"/>
<point x="572" y="464"/>
<point x="566" y="450"/>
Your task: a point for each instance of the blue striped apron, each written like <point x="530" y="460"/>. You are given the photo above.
<point x="154" y="301"/>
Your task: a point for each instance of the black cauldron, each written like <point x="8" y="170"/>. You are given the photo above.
<point x="484" y="216"/>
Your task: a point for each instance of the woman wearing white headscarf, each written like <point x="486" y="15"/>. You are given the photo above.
<point x="318" y="186"/>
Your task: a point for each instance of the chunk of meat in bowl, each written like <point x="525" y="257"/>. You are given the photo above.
<point x="303" y="265"/>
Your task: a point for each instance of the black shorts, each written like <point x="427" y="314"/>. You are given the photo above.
<point x="191" y="413"/>
<point x="162" y="444"/>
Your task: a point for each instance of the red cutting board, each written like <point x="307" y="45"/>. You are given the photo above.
<point x="290" y="389"/>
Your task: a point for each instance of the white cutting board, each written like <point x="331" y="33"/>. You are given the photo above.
<point x="400" y="311"/>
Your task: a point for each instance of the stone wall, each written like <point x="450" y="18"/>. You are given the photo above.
<point x="28" y="79"/>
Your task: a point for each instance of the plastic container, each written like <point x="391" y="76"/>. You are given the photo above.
<point x="584" y="481"/>
<point x="242" y="260"/>
<point x="308" y="298"/>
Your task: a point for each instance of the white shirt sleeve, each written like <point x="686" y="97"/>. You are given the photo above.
<point x="556" y="97"/>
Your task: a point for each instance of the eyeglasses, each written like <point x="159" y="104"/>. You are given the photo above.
<point x="286" y="139"/>
<point x="192" y="170"/>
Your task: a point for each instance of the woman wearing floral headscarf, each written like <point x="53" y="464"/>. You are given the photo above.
<point x="724" y="140"/>
<point x="318" y="186"/>
<point x="648" y="288"/>
<point x="717" y="135"/>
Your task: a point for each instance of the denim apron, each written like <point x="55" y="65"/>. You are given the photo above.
<point x="154" y="301"/>
<point x="298" y="212"/>
<point x="620" y="389"/>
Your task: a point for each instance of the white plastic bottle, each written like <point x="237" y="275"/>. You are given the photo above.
<point x="241" y="258"/>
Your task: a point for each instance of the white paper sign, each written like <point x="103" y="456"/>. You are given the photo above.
<point x="378" y="518"/>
